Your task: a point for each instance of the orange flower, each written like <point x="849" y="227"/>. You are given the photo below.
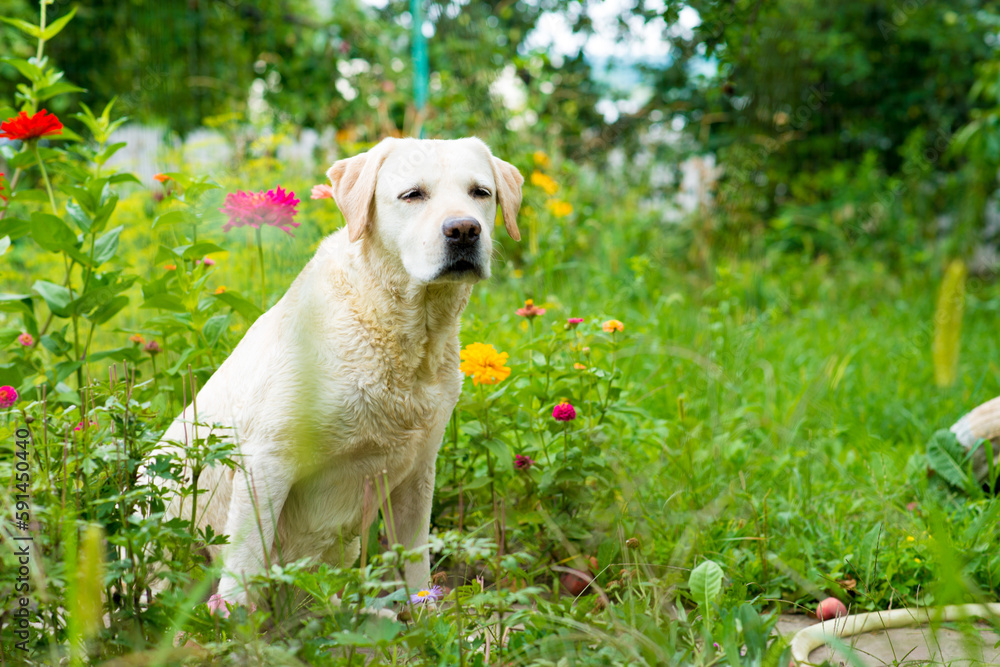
<point x="613" y="325"/>
<point x="137" y="339"/>
<point x="580" y="367"/>
<point x="170" y="267"/>
<point x="162" y="178"/>
<point x="220" y="289"/>
<point x="484" y="364"/>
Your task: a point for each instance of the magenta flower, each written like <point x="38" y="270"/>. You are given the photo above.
<point x="522" y="462"/>
<point x="25" y="339"/>
<point x="574" y="322"/>
<point x="8" y="396"/>
<point x="564" y="412"/>
<point x="152" y="347"/>
<point x="84" y="425"/>
<point x="255" y="209"/>
<point x="432" y="594"/>
<point x="208" y="261"/>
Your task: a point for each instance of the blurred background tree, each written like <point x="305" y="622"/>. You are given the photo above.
<point x="835" y="122"/>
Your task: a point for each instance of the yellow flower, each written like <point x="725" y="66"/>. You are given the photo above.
<point x="559" y="208"/>
<point x="544" y="182"/>
<point x="580" y="367"/>
<point x="613" y="325"/>
<point x="909" y="538"/>
<point x="484" y="364"/>
<point x="916" y="560"/>
<point x="540" y="158"/>
<point x="220" y="289"/>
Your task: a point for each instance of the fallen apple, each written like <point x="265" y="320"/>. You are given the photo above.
<point x="830" y="608"/>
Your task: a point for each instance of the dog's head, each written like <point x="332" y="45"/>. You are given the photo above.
<point x="431" y="203"/>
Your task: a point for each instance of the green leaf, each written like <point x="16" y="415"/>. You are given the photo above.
<point x="53" y="28"/>
<point x="106" y="246"/>
<point x="51" y="232"/>
<point x="56" y="297"/>
<point x="23" y="26"/>
<point x="505" y="461"/>
<point x="199" y="250"/>
<point x="28" y="70"/>
<point x="104" y="213"/>
<point x="124" y="178"/>
<point x="946" y="457"/>
<point x="108" y="310"/>
<point x="16" y="303"/>
<point x="60" y="88"/>
<point x="118" y="354"/>
<point x="8" y="336"/>
<point x="706" y="584"/>
<point x="869" y="553"/>
<point x="93" y="298"/>
<point x="106" y="154"/>
<point x="215" y="327"/>
<point x="948" y="324"/>
<point x="79" y="216"/>
<point x="15" y="228"/>
<point x="171" y="218"/>
<point x="236" y="301"/>
<point x="30" y="194"/>
<point x="164" y="302"/>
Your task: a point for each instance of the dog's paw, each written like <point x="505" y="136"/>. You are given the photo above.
<point x="219" y="606"/>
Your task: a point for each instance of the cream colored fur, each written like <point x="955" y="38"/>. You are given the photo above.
<point x="352" y="376"/>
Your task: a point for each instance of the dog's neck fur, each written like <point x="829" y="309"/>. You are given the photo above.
<point x="419" y="321"/>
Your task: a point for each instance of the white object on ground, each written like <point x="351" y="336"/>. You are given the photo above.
<point x="809" y="639"/>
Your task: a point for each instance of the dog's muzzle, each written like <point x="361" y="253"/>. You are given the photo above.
<point x="462" y="251"/>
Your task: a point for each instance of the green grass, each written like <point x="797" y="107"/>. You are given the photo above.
<point x="768" y="413"/>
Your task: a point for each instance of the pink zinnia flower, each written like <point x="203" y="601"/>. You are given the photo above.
<point x="322" y="192"/>
<point x="432" y="594"/>
<point x="8" y="396"/>
<point x="522" y="462"/>
<point x="574" y="322"/>
<point x="530" y="310"/>
<point x="25" y="339"/>
<point x="254" y="209"/>
<point x="208" y="261"/>
<point x="564" y="412"/>
<point x="152" y="347"/>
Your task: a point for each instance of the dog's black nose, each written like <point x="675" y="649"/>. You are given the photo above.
<point x="461" y="231"/>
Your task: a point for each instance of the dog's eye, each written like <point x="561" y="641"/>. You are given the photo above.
<point x="414" y="194"/>
<point x="480" y="192"/>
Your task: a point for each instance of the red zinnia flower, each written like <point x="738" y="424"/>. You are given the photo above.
<point x="522" y="462"/>
<point x="274" y="207"/>
<point x="23" y="128"/>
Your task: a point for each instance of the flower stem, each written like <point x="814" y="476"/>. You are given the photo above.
<point x="45" y="175"/>
<point x="565" y="443"/>
<point x="260" y="254"/>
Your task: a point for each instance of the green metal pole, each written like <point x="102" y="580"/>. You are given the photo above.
<point x="421" y="67"/>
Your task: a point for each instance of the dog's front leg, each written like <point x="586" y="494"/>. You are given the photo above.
<point x="259" y="493"/>
<point x="411" y="519"/>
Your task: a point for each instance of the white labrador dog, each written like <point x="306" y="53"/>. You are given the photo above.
<point x="351" y="378"/>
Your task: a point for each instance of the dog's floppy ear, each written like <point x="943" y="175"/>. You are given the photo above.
<point x="353" y="181"/>
<point x="509" y="182"/>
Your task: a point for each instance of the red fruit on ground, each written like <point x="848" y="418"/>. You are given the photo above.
<point x="576" y="582"/>
<point x="830" y="608"/>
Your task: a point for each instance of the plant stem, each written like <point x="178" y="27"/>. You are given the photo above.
<point x="45" y="177"/>
<point x="13" y="184"/>
<point x="260" y="254"/>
